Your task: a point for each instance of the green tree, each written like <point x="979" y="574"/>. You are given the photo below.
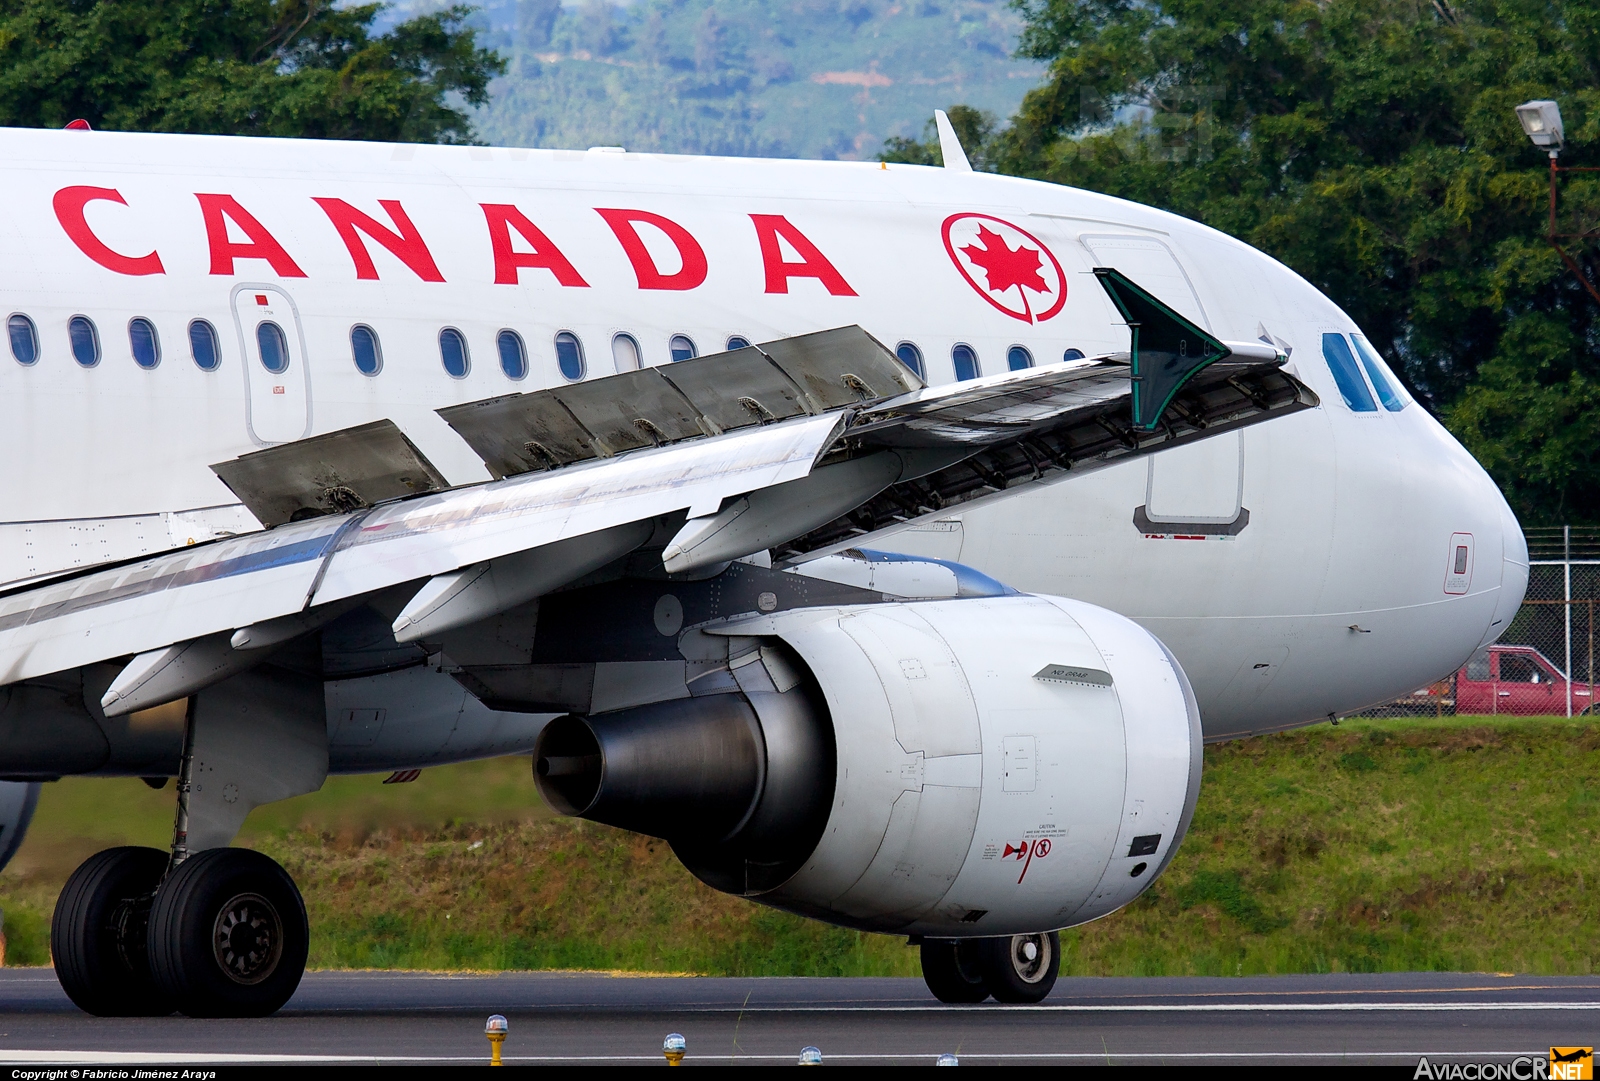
<point x="1371" y="145"/>
<point x="256" y="67"/>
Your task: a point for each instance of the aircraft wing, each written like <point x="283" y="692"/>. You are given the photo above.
<point x="800" y="446"/>
<point x="251" y="580"/>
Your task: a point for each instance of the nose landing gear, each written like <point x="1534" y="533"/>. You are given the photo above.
<point x="1013" y="968"/>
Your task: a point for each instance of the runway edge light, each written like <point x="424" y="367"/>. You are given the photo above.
<point x="495" y="1028"/>
<point x="673" y="1047"/>
<point x="810" y="1056"/>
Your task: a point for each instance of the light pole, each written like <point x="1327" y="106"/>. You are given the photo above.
<point x="1541" y="119"/>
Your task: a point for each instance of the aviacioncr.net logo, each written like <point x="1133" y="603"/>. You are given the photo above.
<point x="1562" y="1064"/>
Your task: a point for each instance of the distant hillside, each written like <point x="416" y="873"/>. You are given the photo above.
<point x="800" y="78"/>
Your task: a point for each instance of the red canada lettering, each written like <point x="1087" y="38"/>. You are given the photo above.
<point x="623" y="224"/>
<point x="813" y="264"/>
<point x="69" y="204"/>
<point x="508" y="262"/>
<point x="221" y="209"/>
<point x="406" y="245"/>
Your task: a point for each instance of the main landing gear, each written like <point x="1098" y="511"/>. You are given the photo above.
<point x="224" y="934"/>
<point x="1014" y="968"/>
<point x="138" y="932"/>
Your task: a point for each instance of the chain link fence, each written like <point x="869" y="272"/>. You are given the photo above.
<point x="1544" y="663"/>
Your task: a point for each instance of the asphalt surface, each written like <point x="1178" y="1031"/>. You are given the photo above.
<point x="400" y="1017"/>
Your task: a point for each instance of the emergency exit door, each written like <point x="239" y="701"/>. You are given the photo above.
<point x="276" y="375"/>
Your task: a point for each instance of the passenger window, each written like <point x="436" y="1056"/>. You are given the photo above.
<point x="965" y="361"/>
<point x="274" y="348"/>
<point x="144" y="343"/>
<point x="1342" y="363"/>
<point x="738" y="341"/>
<point x="365" y="350"/>
<point x="203" y="346"/>
<point x="911" y="357"/>
<point x="625" y="352"/>
<point x="1519" y="668"/>
<point x="85" y="341"/>
<point x="1478" y="668"/>
<point x="1018" y="358"/>
<point x="682" y="348"/>
<point x="1390" y="392"/>
<point x="1072" y="354"/>
<point x="24" y="339"/>
<point x="513" y="354"/>
<point x="453" y="353"/>
<point x="569" y="356"/>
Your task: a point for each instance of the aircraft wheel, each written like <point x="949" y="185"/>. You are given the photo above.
<point x="953" y="970"/>
<point x="97" y="934"/>
<point x="1021" y="968"/>
<point x="228" y="935"/>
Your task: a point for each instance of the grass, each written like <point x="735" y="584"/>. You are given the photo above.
<point x="1457" y="844"/>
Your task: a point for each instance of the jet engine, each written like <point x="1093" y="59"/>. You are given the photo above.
<point x="950" y="768"/>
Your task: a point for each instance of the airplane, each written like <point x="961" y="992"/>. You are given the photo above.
<point x="887" y="538"/>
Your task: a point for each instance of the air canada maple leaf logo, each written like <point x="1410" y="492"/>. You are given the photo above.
<point x="1009" y="267"/>
<point x="1005" y="268"/>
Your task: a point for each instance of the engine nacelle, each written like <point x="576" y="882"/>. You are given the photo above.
<point x="952" y="768"/>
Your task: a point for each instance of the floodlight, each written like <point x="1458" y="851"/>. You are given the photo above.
<point x="1542" y="121"/>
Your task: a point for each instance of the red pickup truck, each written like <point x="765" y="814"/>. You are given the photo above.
<point x="1517" y="680"/>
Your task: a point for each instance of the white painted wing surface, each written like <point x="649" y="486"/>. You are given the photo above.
<point x="172" y="598"/>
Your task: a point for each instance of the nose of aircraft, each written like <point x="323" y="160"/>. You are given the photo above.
<point x="1513" y="568"/>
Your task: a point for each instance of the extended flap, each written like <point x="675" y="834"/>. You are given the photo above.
<point x="692" y="399"/>
<point x="843" y="366"/>
<point x="330" y="474"/>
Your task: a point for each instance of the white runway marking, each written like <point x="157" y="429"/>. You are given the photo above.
<point x="1179" y="1007"/>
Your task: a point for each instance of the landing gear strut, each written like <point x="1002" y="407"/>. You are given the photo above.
<point x="1013" y="968"/>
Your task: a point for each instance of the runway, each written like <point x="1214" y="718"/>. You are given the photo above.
<point x="413" y="1017"/>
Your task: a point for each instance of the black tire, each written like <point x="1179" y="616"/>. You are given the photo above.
<point x="1011" y="975"/>
<point x="97" y="934"/>
<point x="228" y="935"/>
<point x="953" y="970"/>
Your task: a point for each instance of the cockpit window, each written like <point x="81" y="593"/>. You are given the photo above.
<point x="1390" y="391"/>
<point x="1342" y="363"/>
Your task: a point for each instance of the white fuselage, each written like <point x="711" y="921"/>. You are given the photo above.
<point x="1336" y="588"/>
